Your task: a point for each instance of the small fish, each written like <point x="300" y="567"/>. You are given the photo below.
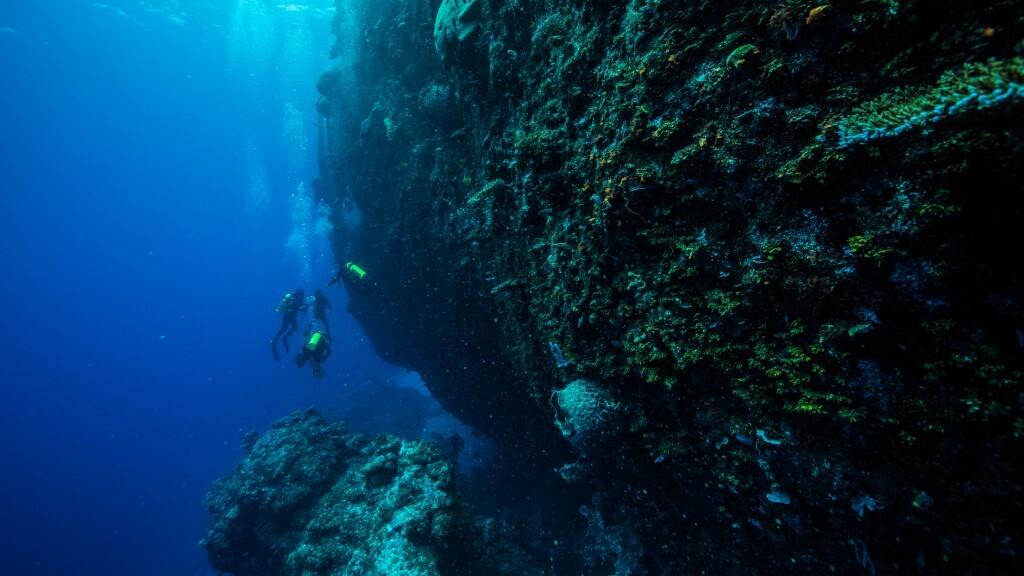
<point x="764" y="436"/>
<point x="815" y="13"/>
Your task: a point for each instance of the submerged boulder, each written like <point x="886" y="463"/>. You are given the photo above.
<point x="587" y="415"/>
<point x="458" y="21"/>
<point x="440" y="105"/>
<point x="310" y="498"/>
<point x="328" y="86"/>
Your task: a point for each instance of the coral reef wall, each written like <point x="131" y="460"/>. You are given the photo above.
<point x="776" y="247"/>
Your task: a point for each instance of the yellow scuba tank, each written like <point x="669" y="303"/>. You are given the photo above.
<point x="355" y="270"/>
<point x="314" y="340"/>
<point x="284" y="302"/>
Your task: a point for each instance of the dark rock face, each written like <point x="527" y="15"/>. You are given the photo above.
<point x="461" y="358"/>
<point x="783" y="237"/>
<point x="310" y="499"/>
<point x="441" y="106"/>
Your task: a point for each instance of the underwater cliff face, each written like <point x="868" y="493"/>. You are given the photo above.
<point x="774" y="246"/>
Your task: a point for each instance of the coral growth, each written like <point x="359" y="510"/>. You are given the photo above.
<point x="712" y="228"/>
<point x="587" y="415"/>
<point x="968" y="89"/>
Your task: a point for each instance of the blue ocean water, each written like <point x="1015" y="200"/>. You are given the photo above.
<point x="155" y="160"/>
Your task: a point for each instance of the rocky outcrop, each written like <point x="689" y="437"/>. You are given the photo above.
<point x="588" y="416"/>
<point x="310" y="499"/>
<point x="780" y="237"/>
<point x="462" y="358"/>
<point x="456" y="25"/>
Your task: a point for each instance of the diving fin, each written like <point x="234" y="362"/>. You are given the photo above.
<point x="273" y="348"/>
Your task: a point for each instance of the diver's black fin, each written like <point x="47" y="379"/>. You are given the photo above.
<point x="273" y="348"/>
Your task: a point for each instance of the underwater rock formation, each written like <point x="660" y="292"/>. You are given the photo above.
<point x="457" y="22"/>
<point x="310" y="499"/>
<point x="783" y="237"/>
<point x="587" y="416"/>
<point x="440" y="105"/>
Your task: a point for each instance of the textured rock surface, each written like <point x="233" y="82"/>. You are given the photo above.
<point x="457" y="22"/>
<point x="440" y="105"/>
<point x="783" y="235"/>
<point x="310" y="499"/>
<point x="587" y="416"/>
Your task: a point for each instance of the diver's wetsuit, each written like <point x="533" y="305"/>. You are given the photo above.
<point x="321" y="308"/>
<point x="291" y="308"/>
<point x="337" y="277"/>
<point x="315" y="351"/>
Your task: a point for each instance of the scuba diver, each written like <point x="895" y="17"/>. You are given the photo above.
<point x="289" y="308"/>
<point x="352" y="275"/>
<point x="316" y="351"/>
<point x="337" y="277"/>
<point x="321" y="308"/>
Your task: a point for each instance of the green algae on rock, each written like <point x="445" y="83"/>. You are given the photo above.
<point x="802" y="334"/>
<point x="970" y="88"/>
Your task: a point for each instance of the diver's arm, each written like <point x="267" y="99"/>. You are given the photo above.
<point x="337" y="278"/>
